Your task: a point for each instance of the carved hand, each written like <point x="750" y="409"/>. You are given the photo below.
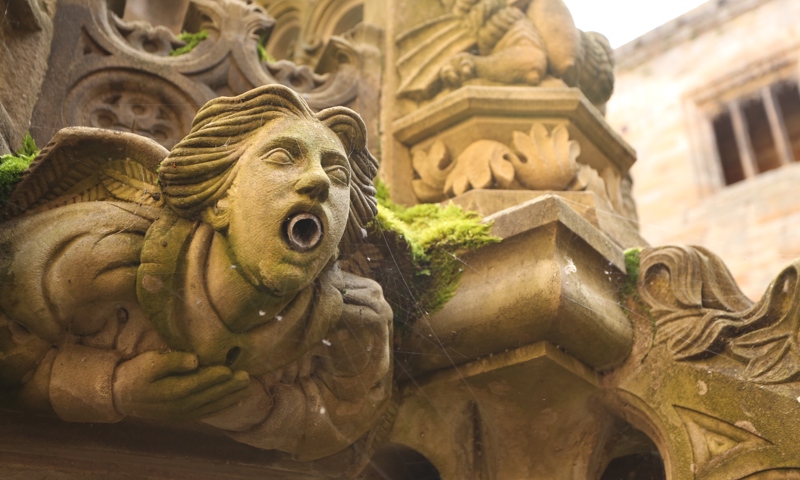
<point x="362" y="334"/>
<point x="170" y="386"/>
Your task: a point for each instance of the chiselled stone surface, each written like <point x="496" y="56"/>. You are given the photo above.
<point x="516" y="138"/>
<point x="26" y="29"/>
<point x="551" y="288"/>
<point x="493" y="41"/>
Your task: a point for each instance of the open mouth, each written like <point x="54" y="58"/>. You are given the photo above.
<point x="303" y="231"/>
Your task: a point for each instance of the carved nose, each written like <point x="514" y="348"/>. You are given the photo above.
<point x="314" y="183"/>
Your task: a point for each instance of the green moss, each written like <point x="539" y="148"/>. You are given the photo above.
<point x="12" y="166"/>
<point x="191" y="40"/>
<point x="636" y="309"/>
<point x="263" y="55"/>
<point x="431" y="238"/>
<point x="632" y="259"/>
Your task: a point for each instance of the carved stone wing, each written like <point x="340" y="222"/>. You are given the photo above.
<point x="424" y="51"/>
<point x="83" y="164"/>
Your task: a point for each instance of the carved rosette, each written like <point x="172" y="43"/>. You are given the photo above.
<point x="129" y="101"/>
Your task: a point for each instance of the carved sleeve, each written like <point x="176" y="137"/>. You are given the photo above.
<point x="61" y="307"/>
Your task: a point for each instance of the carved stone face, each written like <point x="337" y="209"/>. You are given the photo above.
<point x="292" y="167"/>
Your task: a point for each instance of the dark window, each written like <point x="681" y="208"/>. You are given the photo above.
<point x="759" y="133"/>
<point x="761" y="139"/>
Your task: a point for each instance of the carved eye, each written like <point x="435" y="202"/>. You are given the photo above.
<point x="338" y="174"/>
<point x="279" y="156"/>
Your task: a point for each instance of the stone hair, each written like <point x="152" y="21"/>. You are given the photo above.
<point x="202" y="166"/>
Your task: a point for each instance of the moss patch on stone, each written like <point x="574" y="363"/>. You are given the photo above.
<point x="12" y="166"/>
<point x="632" y="259"/>
<point x="263" y="55"/>
<point x="191" y="40"/>
<point x="431" y="238"/>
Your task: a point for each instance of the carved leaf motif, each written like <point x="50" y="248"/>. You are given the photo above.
<point x="433" y="168"/>
<point x="699" y="312"/>
<point x="546" y="161"/>
<point x="129" y="181"/>
<point x="483" y="164"/>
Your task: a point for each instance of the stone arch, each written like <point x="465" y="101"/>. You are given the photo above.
<point x="394" y="461"/>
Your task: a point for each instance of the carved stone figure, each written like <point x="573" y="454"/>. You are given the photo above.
<point x="204" y="288"/>
<point x="507" y="42"/>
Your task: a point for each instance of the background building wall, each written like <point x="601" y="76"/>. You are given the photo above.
<point x="671" y="83"/>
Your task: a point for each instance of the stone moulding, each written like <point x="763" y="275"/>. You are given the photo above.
<point x="474" y="421"/>
<point x="516" y="138"/>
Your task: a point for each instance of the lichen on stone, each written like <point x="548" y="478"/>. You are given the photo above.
<point x="13" y="165"/>
<point x="191" y="40"/>
<point x="432" y="238"/>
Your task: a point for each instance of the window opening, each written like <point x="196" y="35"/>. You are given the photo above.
<point x="758" y="133"/>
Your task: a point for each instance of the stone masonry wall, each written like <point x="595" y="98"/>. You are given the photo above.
<point x="753" y="225"/>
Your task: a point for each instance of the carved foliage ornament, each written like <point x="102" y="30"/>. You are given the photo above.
<point x="700" y="312"/>
<point x="204" y="286"/>
<point x="539" y="160"/>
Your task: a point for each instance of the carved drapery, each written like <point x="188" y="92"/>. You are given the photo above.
<point x="118" y="310"/>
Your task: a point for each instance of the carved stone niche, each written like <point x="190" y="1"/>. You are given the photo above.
<point x="193" y="295"/>
<point x="490" y="148"/>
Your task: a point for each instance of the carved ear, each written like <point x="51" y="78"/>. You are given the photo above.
<point x="218" y="215"/>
